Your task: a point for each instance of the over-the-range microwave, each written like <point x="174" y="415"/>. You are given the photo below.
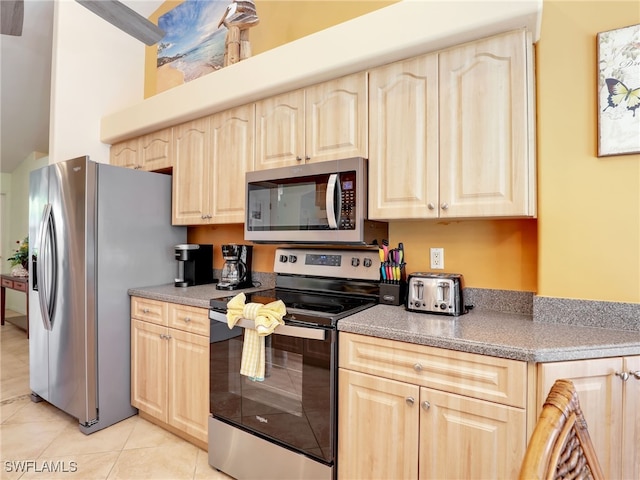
<point x="323" y="203"/>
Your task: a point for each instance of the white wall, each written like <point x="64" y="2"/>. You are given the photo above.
<point x="15" y="217"/>
<point x="96" y="69"/>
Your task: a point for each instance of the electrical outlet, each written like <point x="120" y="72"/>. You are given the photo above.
<point x="437" y="258"/>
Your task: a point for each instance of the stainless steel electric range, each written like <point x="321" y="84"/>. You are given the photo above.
<point x="286" y="425"/>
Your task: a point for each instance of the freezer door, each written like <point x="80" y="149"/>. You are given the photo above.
<point x="38" y="334"/>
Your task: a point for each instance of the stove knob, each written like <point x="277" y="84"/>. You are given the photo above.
<point x="293" y="259"/>
<point x="367" y="262"/>
<point x="443" y="306"/>
<point x="283" y="258"/>
<point x="355" y="261"/>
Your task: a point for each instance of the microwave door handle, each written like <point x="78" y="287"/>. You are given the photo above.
<point x="333" y="189"/>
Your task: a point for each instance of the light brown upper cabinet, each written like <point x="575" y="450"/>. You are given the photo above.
<point x="191" y="173"/>
<point x="151" y="152"/>
<point x="232" y="147"/>
<point x="327" y="121"/>
<point x="452" y="133"/>
<point x="211" y="156"/>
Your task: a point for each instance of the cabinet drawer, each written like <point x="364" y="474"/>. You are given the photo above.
<point x="22" y="286"/>
<point x="150" y="310"/>
<point x="7" y="283"/>
<point x="479" y="376"/>
<point x="189" y="319"/>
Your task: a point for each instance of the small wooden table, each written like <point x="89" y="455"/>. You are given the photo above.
<point x="22" y="285"/>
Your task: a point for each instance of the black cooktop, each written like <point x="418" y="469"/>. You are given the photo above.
<point x="304" y="307"/>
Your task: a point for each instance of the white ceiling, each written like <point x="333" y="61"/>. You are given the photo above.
<point x="25" y="77"/>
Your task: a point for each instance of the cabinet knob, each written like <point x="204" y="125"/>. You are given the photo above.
<point x="145" y="310"/>
<point x="444" y="205"/>
<point x="636" y="374"/>
<point x="417" y="367"/>
<point x="426" y="405"/>
<point x="307" y="158"/>
<point x="187" y="319"/>
<point x="298" y="158"/>
<point x="431" y="206"/>
<point x="410" y="401"/>
<point x="624" y="376"/>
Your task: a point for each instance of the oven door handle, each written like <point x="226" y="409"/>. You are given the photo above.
<point x="285" y="330"/>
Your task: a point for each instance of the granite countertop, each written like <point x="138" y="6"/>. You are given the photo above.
<point x="488" y="332"/>
<point x="498" y="334"/>
<point x="198" y="295"/>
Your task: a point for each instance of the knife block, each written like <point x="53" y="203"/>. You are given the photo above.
<point x="393" y="293"/>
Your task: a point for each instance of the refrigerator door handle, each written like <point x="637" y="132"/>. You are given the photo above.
<point x="46" y="289"/>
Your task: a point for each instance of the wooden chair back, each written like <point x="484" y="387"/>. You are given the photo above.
<point x="560" y="446"/>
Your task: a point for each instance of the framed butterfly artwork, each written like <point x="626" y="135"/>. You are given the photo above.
<point x="619" y="91"/>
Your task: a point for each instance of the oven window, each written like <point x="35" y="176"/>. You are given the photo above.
<point x="294" y="403"/>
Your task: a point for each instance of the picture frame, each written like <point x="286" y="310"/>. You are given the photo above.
<point x="619" y="91"/>
<point x="194" y="43"/>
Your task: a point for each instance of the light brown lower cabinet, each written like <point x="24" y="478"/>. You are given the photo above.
<point x="410" y="411"/>
<point x="170" y="366"/>
<point x="609" y="394"/>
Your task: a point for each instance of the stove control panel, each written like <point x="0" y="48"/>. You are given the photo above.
<point x="356" y="264"/>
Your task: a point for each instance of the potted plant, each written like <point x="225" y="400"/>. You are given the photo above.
<point x="20" y="259"/>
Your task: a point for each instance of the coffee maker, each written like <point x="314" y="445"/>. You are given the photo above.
<point x="236" y="271"/>
<point x="195" y="264"/>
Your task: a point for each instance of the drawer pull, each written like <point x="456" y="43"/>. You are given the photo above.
<point x="165" y="337"/>
<point x="145" y="310"/>
<point x="410" y="401"/>
<point x="624" y="376"/>
<point x="426" y="405"/>
<point x="417" y="367"/>
<point x="187" y="319"/>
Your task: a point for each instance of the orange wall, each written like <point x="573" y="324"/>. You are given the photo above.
<point x="588" y="207"/>
<point x="281" y="21"/>
<point x="586" y="241"/>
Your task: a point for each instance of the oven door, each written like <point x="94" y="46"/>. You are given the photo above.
<point x="295" y="405"/>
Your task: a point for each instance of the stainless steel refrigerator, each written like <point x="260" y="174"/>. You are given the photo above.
<point x="95" y="231"/>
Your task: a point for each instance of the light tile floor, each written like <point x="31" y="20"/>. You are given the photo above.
<point x="41" y="442"/>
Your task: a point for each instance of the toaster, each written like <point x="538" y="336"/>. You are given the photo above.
<point x="435" y="293"/>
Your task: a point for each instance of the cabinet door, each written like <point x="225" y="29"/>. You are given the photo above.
<point x="232" y="143"/>
<point x="403" y="152"/>
<point x="600" y="396"/>
<point x="155" y="150"/>
<point x="486" y="168"/>
<point x="189" y="383"/>
<point x="377" y="428"/>
<point x="125" y="154"/>
<point x="280" y="131"/>
<point x="191" y="173"/>
<point x="631" y="420"/>
<point x="336" y="119"/>
<point x="461" y="437"/>
<point x="149" y="368"/>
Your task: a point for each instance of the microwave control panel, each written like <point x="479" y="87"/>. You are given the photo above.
<point x="348" y="200"/>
